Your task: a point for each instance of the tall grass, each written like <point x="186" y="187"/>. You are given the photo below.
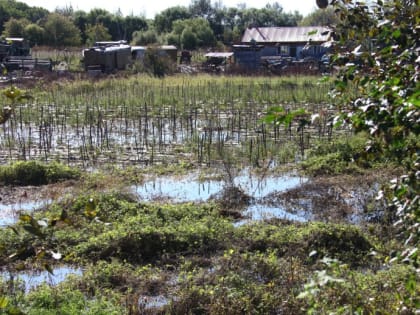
<point x="147" y="120"/>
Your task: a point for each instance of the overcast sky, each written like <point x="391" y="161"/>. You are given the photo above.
<point x="151" y="7"/>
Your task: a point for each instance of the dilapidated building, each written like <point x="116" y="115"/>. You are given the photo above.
<point x="295" y="43"/>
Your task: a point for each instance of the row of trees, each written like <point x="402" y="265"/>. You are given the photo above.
<point x="65" y="27"/>
<point x="198" y="25"/>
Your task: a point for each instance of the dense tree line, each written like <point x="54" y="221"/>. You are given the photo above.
<point x="201" y="24"/>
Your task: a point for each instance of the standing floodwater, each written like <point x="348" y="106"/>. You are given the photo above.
<point x="9" y="213"/>
<point x="190" y="188"/>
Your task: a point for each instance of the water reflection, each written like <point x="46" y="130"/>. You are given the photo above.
<point x="32" y="279"/>
<point x="191" y="189"/>
<point x="9" y="214"/>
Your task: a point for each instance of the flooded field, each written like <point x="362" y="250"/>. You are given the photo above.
<point x="183" y="196"/>
<point x="192" y="188"/>
<point x="158" y="122"/>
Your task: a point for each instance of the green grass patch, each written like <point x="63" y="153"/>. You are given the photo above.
<point x="347" y="243"/>
<point x="25" y="173"/>
<point x="346" y="155"/>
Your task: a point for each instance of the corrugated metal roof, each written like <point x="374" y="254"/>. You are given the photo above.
<point x="285" y="34"/>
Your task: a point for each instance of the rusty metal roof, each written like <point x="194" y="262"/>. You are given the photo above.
<point x="285" y="34"/>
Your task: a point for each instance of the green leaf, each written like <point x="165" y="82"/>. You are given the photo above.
<point x="91" y="208"/>
<point x="396" y="34"/>
<point x="15" y="311"/>
<point x="14" y="230"/>
<point x="4" y="301"/>
<point x="34" y="231"/>
<point x="410" y="284"/>
<point x="25" y="218"/>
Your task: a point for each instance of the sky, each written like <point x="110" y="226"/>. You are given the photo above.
<point x="151" y="7"/>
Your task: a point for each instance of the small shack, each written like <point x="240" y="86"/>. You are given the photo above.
<point x="248" y="56"/>
<point x="138" y="52"/>
<point x="218" y="61"/>
<point x="294" y="43"/>
<point x="14" y="46"/>
<point x="107" y="58"/>
<point x="168" y="50"/>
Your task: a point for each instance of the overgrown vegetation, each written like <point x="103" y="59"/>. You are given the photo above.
<point x="188" y="253"/>
<point x="384" y="67"/>
<point x="26" y="173"/>
<point x="342" y="156"/>
<point x="162" y="257"/>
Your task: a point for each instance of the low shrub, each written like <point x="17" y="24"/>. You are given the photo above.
<point x="345" y="155"/>
<point x="344" y="242"/>
<point x="24" y="173"/>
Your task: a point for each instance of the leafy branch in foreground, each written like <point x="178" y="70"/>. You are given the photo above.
<point x="14" y="95"/>
<point x="376" y="49"/>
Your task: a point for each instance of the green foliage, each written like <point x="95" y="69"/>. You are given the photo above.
<point x="15" y="27"/>
<point x="341" y="156"/>
<point x="109" y="207"/>
<point x="95" y="33"/>
<point x="219" y="268"/>
<point x="157" y="63"/>
<point x="145" y="38"/>
<point x="114" y="274"/>
<point x="163" y="20"/>
<point x="329" y="164"/>
<point x="325" y="17"/>
<point x="225" y="24"/>
<point x="383" y="66"/>
<point x="34" y="33"/>
<point x="157" y="231"/>
<point x="36" y="173"/>
<point x="377" y="51"/>
<point x="61" y="31"/>
<point x="188" y="39"/>
<point x="338" y="289"/>
<point x="281" y="116"/>
<point x="194" y="33"/>
<point x="17" y="10"/>
<point x="345" y="242"/>
<point x="13" y="96"/>
<point x="242" y="283"/>
<point x="68" y="301"/>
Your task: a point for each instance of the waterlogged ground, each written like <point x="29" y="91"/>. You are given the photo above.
<point x="32" y="279"/>
<point x="9" y="213"/>
<point x="186" y="188"/>
<point x="138" y="122"/>
<point x="192" y="188"/>
<point x="271" y="198"/>
<point x="287" y="196"/>
<point x="15" y="200"/>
